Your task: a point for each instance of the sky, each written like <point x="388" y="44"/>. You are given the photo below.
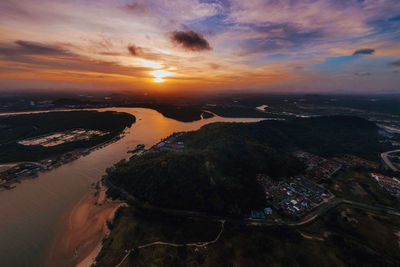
<point x="340" y="46"/>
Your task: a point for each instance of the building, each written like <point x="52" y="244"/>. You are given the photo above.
<point x="386" y="180"/>
<point x="392" y="185"/>
<point x="268" y="211"/>
<point x="257" y="214"/>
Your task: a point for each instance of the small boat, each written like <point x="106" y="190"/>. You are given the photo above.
<point x="137" y="148"/>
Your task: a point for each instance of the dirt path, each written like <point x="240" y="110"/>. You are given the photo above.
<point x="307" y="236"/>
<point x="158" y="243"/>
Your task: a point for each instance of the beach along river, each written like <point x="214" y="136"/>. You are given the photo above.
<point x="31" y="212"/>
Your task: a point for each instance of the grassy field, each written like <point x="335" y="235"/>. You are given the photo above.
<point x="360" y="186"/>
<point x="358" y="237"/>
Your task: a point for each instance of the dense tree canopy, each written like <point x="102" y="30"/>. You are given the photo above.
<point x="217" y="171"/>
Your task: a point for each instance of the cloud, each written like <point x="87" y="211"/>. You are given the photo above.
<point x="364" y="51"/>
<point x="31" y="48"/>
<point x="395" y="63"/>
<point x="148" y="54"/>
<point x="181" y="10"/>
<point x="33" y="56"/>
<point x="190" y="40"/>
<point x="37" y="48"/>
<point x="362" y="74"/>
<point x="33" y="52"/>
<point x="345" y="18"/>
<point x="111" y="36"/>
<point x="135" y="50"/>
<point x="139" y="7"/>
<point x="214" y="66"/>
<point x="276" y="37"/>
<point x="110" y="53"/>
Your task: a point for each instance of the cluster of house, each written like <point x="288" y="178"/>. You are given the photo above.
<point x="18" y="104"/>
<point x="318" y="168"/>
<point x="31" y="169"/>
<point x="392" y="185"/>
<point x="21" y="170"/>
<point x="171" y="143"/>
<point x="293" y="196"/>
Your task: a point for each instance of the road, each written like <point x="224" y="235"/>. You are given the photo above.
<point x="385" y="158"/>
<point x="324" y="208"/>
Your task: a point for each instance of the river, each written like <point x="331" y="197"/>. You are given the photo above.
<point x="30" y="213"/>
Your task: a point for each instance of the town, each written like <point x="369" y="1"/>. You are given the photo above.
<point x="294" y="196"/>
<point x="318" y="168"/>
<point x="169" y="143"/>
<point x="298" y="196"/>
<point x="13" y="173"/>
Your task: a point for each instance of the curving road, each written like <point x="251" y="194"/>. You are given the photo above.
<point x="385" y="158"/>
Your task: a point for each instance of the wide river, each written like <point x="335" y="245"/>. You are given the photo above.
<point x="30" y="213"/>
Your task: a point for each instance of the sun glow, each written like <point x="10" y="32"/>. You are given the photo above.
<point x="151" y="64"/>
<point x="159" y="75"/>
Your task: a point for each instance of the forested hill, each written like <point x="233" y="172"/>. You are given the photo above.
<point x="217" y="170"/>
<point x="325" y="136"/>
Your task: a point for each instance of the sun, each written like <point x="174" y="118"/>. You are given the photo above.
<point x="159" y="75"/>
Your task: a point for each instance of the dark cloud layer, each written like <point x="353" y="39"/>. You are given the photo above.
<point x="278" y="37"/>
<point x="362" y="74"/>
<point x="145" y="53"/>
<point x="215" y="66"/>
<point x="31" y="48"/>
<point x="138" y="8"/>
<point x="190" y="40"/>
<point x="43" y="57"/>
<point x="135" y="50"/>
<point x="395" y="63"/>
<point x="364" y="51"/>
<point x="37" y="48"/>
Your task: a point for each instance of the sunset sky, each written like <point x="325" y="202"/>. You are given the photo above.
<point x="340" y="46"/>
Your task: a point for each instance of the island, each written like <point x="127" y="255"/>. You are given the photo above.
<point x="35" y="142"/>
